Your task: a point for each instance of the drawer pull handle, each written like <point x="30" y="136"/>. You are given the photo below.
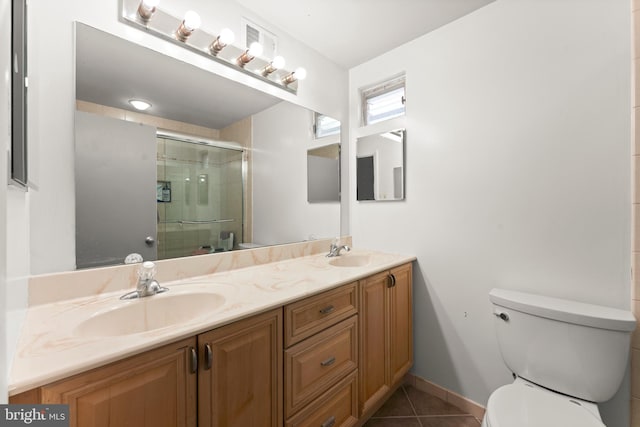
<point x="392" y="281"/>
<point x="194" y="360"/>
<point x="208" y="356"/>
<point x="328" y="309"/>
<point x="330" y="361"/>
<point x="330" y="422"/>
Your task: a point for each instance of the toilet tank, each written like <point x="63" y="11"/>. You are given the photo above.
<point x="570" y="347"/>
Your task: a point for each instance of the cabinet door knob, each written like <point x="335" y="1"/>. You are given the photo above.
<point x="330" y="422"/>
<point x="194" y="360"/>
<point x="330" y="361"/>
<point x="328" y="309"/>
<point x="208" y="357"/>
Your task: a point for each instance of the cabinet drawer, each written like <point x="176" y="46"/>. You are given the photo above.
<point x="311" y="315"/>
<point x="338" y="407"/>
<point x="314" y="365"/>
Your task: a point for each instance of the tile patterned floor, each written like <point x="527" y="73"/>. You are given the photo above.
<point x="410" y="407"/>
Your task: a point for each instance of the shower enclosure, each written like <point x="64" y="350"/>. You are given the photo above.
<point x="199" y="194"/>
<point x="198" y="205"/>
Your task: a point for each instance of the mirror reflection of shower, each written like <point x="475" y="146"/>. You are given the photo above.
<point x="205" y="212"/>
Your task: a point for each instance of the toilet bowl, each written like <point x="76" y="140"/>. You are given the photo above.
<point x="565" y="356"/>
<point x="525" y="404"/>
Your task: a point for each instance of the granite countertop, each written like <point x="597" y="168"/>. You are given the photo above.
<point x="51" y="346"/>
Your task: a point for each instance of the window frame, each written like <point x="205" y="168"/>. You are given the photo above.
<point x="378" y="90"/>
<point x="317" y="128"/>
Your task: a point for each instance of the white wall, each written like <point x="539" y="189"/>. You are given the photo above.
<point x="518" y="174"/>
<point x="281" y="212"/>
<point x="5" y="138"/>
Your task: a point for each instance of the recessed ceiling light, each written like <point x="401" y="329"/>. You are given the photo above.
<point x="139" y="104"/>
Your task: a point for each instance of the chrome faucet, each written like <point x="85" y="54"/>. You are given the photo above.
<point x="146" y="285"/>
<point x="334" y="249"/>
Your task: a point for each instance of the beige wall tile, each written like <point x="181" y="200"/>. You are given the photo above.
<point x="455" y="399"/>
<point x="635" y="338"/>
<point x="635" y="183"/>
<point x="88" y="107"/>
<point x="635" y="123"/>
<point x="636" y="32"/>
<point x="635" y="266"/>
<point x="635" y="373"/>
<point x="466" y="405"/>
<point x="635" y="81"/>
<point x="635" y="412"/>
<point x="635" y="230"/>
<point x="635" y="5"/>
<point x="429" y="387"/>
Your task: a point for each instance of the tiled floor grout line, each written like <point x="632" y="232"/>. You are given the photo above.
<point x="464" y="415"/>
<point x="427" y="418"/>
<point x="395" y="417"/>
<point x="413" y="408"/>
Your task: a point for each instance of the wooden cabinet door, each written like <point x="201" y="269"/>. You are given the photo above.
<point x="240" y="373"/>
<point x="374" y="340"/>
<point x="400" y="323"/>
<point x="386" y="334"/>
<point x="153" y="389"/>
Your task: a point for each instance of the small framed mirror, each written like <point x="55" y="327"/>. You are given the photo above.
<point x="323" y="174"/>
<point x="380" y="166"/>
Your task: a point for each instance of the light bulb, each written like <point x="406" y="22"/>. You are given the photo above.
<point x="300" y="73"/>
<point x="278" y="62"/>
<point x="150" y="4"/>
<point x="189" y="24"/>
<point x="226" y="36"/>
<point x="255" y="49"/>
<point x="192" y="20"/>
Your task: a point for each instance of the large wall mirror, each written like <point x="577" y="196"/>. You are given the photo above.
<point x="228" y="162"/>
<point x="380" y="166"/>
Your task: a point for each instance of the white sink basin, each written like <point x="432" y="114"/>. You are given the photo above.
<point x="150" y="313"/>
<point x="350" y="261"/>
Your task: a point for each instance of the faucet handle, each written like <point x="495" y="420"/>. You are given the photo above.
<point x="147" y="271"/>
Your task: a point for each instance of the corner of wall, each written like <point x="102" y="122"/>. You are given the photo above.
<point x="635" y="234"/>
<point x="5" y="118"/>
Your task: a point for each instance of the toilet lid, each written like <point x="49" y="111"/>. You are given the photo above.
<point x="523" y="405"/>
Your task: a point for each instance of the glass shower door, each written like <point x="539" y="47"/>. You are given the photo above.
<point x="199" y="198"/>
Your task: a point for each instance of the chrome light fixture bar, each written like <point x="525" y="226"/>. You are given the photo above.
<point x="147" y="16"/>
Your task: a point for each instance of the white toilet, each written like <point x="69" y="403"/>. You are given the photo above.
<point x="566" y="357"/>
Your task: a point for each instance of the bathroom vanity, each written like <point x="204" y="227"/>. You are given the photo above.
<point x="311" y="343"/>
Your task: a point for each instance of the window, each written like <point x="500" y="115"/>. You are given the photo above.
<point x="384" y="101"/>
<point x="325" y="126"/>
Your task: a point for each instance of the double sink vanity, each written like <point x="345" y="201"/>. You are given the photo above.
<point x="280" y="336"/>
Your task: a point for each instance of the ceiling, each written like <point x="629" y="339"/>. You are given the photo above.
<point x="107" y="74"/>
<point x="350" y="32"/>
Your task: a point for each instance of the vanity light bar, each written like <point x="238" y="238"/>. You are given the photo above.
<point x="186" y="32"/>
